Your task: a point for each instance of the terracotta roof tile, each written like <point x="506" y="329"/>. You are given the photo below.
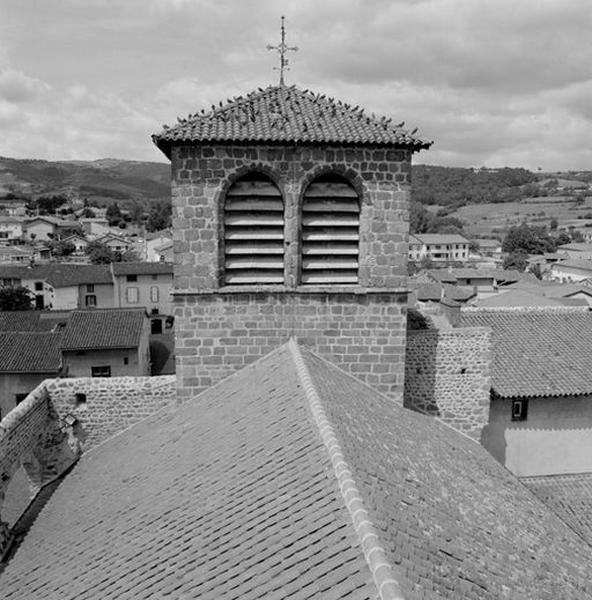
<point x="30" y="352"/>
<point x="537" y="352"/>
<point x="235" y="495"/>
<point x="105" y="328"/>
<point x="287" y="114"/>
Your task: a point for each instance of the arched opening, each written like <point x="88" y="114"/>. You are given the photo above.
<point x="330" y="232"/>
<point x="253" y="232"/>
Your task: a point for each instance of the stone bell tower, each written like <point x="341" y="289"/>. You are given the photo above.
<point x="290" y="216"/>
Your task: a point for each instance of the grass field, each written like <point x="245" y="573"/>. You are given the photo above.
<point x="484" y="220"/>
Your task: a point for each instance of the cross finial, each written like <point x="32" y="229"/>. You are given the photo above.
<point x="282" y="49"/>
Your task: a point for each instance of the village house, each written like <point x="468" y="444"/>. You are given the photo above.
<point x="540" y="419"/>
<point x="148" y="285"/>
<point x="438" y="247"/>
<point x="26" y="359"/>
<point x="94" y="226"/>
<point x="153" y="243"/>
<point x="115" y="243"/>
<point x="11" y="229"/>
<point x="106" y="343"/>
<point x="571" y="270"/>
<point x="45" y="228"/>
<point x="577" y="250"/>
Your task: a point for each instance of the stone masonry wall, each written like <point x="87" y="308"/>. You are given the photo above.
<point x="110" y="404"/>
<point x="448" y="375"/>
<point x="201" y="175"/>
<point x="31" y="436"/>
<point x="220" y="333"/>
<point x="221" y="328"/>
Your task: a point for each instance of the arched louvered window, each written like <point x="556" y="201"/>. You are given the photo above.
<point x="330" y="231"/>
<point x="253" y="232"/>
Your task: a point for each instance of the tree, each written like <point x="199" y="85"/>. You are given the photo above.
<point x="113" y="214"/>
<point x="99" y="253"/>
<point x="516" y="260"/>
<point x="48" y="205"/>
<point x="159" y="216"/>
<point x="62" y="248"/>
<point x="15" y="298"/>
<point x="553" y="224"/>
<point x="88" y="213"/>
<point x="529" y="240"/>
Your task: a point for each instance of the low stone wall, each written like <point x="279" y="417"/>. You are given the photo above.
<point x="32" y="436"/>
<point x="448" y="375"/>
<point x="104" y="406"/>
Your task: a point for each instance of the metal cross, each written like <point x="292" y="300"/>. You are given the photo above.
<point x="282" y="49"/>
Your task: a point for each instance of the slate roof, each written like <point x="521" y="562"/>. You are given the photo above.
<point x="293" y="480"/>
<point x="103" y="329"/>
<point x="31" y="320"/>
<point x="30" y="352"/>
<point x="568" y="496"/>
<point x="142" y="268"/>
<point x="537" y="352"/>
<point x="435" y="291"/>
<point x="286" y="114"/>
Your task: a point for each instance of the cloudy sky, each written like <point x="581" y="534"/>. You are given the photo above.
<point x="493" y="82"/>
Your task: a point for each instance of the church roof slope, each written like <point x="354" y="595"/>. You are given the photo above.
<point x="537" y="351"/>
<point x="282" y="114"/>
<point x="569" y="496"/>
<point x="291" y="479"/>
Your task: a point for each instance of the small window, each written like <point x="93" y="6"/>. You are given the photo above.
<point x="101" y="371"/>
<point x="154" y="293"/>
<point x="154" y="277"/>
<point x="90" y="288"/>
<point x="19" y="398"/>
<point x="90" y="300"/>
<point x="519" y="410"/>
<point x="132" y="295"/>
<point x="125" y="360"/>
<point x="131" y="278"/>
<point x="80" y="400"/>
<point x="39" y="286"/>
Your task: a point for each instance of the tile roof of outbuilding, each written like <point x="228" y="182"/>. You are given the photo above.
<point x="291" y="479"/>
<point x="103" y="329"/>
<point x="569" y="496"/>
<point x="537" y="351"/>
<point x="142" y="268"/>
<point x="30" y="352"/>
<point x="286" y="114"/>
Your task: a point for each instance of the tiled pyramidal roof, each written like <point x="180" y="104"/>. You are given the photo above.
<point x="287" y="114"/>
<point x="293" y="480"/>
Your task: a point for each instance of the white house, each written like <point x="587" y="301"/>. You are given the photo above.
<point x="438" y="247"/>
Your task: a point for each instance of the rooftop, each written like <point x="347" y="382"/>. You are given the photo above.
<point x="291" y="479"/>
<point x="287" y="114"/>
<point x="103" y="328"/>
<point x="440" y="238"/>
<point x="31" y="352"/>
<point x="574" y="263"/>
<point x="59" y="274"/>
<point x="537" y="352"/>
<point x="142" y="268"/>
<point x="569" y="496"/>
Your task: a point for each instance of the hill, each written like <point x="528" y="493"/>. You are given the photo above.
<point x="99" y="181"/>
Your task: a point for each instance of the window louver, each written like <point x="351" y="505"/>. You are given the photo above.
<point x="330" y="232"/>
<point x="253" y="232"/>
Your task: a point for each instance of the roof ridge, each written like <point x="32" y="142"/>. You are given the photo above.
<point x="382" y="573"/>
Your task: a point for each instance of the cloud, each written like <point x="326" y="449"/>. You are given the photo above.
<point x="492" y="82"/>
